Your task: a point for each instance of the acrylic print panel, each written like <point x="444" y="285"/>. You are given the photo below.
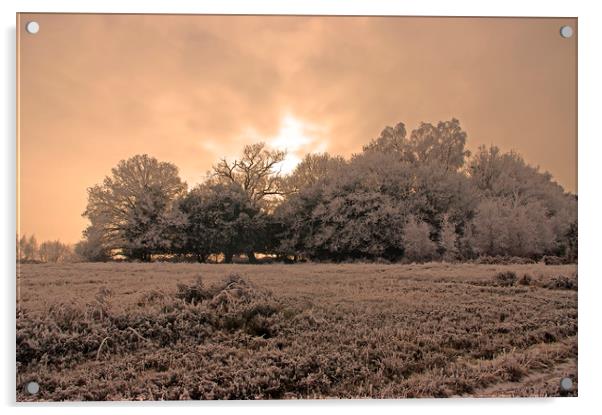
<point x="275" y="207"/>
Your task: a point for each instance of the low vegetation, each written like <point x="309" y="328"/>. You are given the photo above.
<point x="505" y="279"/>
<point x="184" y="331"/>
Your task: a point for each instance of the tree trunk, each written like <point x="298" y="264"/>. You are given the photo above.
<point x="251" y="256"/>
<point x="228" y="257"/>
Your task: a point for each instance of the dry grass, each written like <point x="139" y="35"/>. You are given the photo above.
<point x="154" y="331"/>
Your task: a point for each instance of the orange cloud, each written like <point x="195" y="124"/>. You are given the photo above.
<point x="95" y="89"/>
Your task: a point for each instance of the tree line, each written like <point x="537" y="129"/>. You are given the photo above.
<point x="29" y="251"/>
<point x="415" y="197"/>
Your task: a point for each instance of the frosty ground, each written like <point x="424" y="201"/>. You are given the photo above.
<point x="155" y="331"/>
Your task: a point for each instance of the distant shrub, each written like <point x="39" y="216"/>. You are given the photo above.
<point x="503" y="260"/>
<point x="521" y="260"/>
<point x="486" y="260"/>
<point x="553" y="260"/>
<point x="505" y="279"/>
<point x="526" y="279"/>
<point x="265" y="260"/>
<point x="562" y="282"/>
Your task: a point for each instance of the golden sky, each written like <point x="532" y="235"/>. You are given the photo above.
<point x="95" y="89"/>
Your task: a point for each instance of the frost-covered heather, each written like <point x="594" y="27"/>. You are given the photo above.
<point x="158" y="331"/>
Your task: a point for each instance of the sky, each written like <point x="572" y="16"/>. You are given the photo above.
<point x="97" y="89"/>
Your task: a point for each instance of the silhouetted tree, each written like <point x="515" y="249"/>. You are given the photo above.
<point x="258" y="175"/>
<point x="256" y="172"/>
<point x="221" y="218"/>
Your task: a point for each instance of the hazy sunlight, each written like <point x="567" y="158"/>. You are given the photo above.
<point x="296" y="138"/>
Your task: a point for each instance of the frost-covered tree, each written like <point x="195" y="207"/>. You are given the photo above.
<point x="356" y="214"/>
<point x="21" y="243"/>
<point x="32" y="248"/>
<point x="509" y="177"/>
<point x="331" y="208"/>
<point x="569" y="242"/>
<point x="295" y="223"/>
<point x="536" y="212"/>
<point x="220" y="218"/>
<point x="416" y="240"/>
<point x="152" y="226"/>
<point x="55" y="251"/>
<point x="133" y="207"/>
<point x="442" y="145"/>
<point x="449" y="240"/>
<point x="434" y="155"/>
<point x="391" y="140"/>
<point x="361" y="224"/>
<point x="255" y="171"/>
<point x="438" y="193"/>
<point x="92" y="248"/>
<point x="502" y="228"/>
<point x="360" y="208"/>
<point x="27" y="248"/>
<point x="489" y="227"/>
<point x="314" y="170"/>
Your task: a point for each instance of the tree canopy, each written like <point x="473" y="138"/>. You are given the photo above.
<point x="132" y="210"/>
<point x="418" y="197"/>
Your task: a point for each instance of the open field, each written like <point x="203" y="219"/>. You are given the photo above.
<point x="127" y="331"/>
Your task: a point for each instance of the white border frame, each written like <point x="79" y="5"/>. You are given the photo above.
<point x="589" y="173"/>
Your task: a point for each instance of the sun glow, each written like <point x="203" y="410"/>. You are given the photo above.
<point x="296" y="138"/>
